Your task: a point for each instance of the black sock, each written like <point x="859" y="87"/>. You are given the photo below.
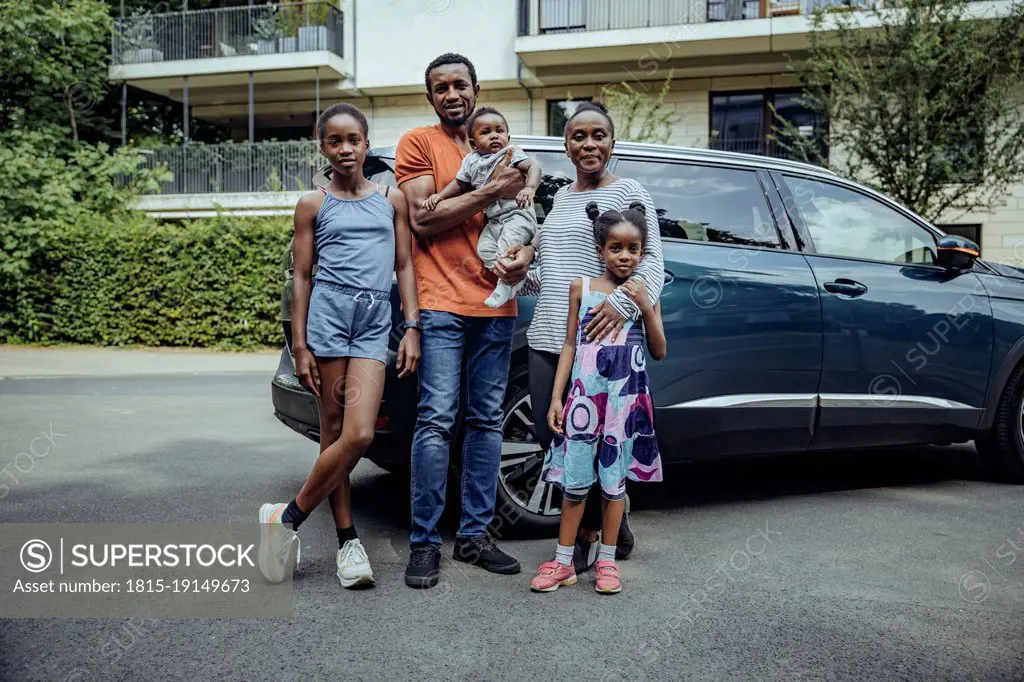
<point x="293" y="515"/>
<point x="346" y="534"/>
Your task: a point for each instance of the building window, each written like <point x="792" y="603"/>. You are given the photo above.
<point x="743" y="121"/>
<point x="972" y="232"/>
<point x="559" y="111"/>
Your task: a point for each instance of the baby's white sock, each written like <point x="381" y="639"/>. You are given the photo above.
<point x="563" y="555"/>
<point x="606" y="552"/>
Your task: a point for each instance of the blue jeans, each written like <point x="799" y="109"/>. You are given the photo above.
<point x="485" y="344"/>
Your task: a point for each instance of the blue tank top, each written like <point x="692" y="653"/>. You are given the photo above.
<point x="355" y="241"/>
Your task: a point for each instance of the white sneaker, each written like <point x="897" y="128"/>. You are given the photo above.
<point x="276" y="542"/>
<point x="354" y="566"/>
<point x="502" y="294"/>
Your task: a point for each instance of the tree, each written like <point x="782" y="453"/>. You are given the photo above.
<point x="925" y="102"/>
<point x="54" y="60"/>
<point x="640" y="116"/>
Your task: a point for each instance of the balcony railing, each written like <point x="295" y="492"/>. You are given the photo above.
<point x="565" y="16"/>
<point x="244" y="167"/>
<point x="228" y="32"/>
<point x="759" y="146"/>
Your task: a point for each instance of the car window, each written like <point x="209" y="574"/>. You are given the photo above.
<point x="704" y="203"/>
<point x="846" y="223"/>
<point x="558" y="172"/>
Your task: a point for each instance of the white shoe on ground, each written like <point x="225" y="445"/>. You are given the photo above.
<point x="354" y="566"/>
<point x="276" y="542"/>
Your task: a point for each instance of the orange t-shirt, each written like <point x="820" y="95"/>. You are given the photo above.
<point x="450" y="276"/>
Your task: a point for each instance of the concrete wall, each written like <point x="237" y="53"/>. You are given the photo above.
<point x="396" y="39"/>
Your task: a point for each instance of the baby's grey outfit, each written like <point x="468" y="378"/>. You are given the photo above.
<point x="507" y="224"/>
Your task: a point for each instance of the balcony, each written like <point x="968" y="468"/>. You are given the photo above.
<point x="238" y="168"/>
<point x="565" y="39"/>
<point x="262" y="178"/>
<point x="232" y="40"/>
<point x="565" y="16"/>
<point x="227" y="32"/>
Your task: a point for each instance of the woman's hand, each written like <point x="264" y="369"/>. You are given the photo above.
<point x="555" y="416"/>
<point x="607" y="320"/>
<point x="636" y="289"/>
<point x="307" y="371"/>
<point x="409" y="353"/>
<point x="514" y="271"/>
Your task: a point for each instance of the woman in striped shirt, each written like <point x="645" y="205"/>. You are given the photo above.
<point x="567" y="251"/>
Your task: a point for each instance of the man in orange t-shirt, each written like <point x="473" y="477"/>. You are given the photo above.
<point x="459" y="331"/>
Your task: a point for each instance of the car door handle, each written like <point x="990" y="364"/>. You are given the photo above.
<point x="846" y="287"/>
<point x="669" y="276"/>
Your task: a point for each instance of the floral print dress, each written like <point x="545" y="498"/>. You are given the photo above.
<point x="608" y="422"/>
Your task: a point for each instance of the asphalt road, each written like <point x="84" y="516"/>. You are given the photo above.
<point x="852" y="566"/>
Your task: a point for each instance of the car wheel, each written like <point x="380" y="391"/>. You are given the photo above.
<point x="525" y="504"/>
<point x="1002" y="449"/>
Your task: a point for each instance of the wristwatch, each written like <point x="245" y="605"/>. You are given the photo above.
<point x="412" y="324"/>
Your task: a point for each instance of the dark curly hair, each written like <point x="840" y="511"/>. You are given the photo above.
<point x="482" y="111"/>
<point x="584" y="107"/>
<point x="341" y="109"/>
<point x="635" y="215"/>
<point x="449" y="58"/>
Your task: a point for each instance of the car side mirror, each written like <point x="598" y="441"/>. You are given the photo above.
<point x="957" y="253"/>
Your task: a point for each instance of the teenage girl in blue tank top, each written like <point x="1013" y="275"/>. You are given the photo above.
<point x="341" y="320"/>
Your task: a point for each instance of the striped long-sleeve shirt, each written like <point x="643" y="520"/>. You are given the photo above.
<point x="567" y="252"/>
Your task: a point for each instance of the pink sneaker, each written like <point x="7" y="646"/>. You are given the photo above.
<point x="607" y="577"/>
<point x="551" y="575"/>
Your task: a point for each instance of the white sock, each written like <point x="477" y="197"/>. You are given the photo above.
<point x="606" y="552"/>
<point x="563" y="554"/>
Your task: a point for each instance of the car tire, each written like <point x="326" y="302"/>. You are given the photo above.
<point x="525" y="505"/>
<point x="1002" y="448"/>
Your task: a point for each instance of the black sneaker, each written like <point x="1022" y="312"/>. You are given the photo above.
<point x="424" y="566"/>
<point x="483" y="552"/>
<point x="581" y="559"/>
<point x="624" y="544"/>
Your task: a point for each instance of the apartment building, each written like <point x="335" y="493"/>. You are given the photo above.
<point x="264" y="71"/>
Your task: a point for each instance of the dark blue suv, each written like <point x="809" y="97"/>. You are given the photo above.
<point x="803" y="312"/>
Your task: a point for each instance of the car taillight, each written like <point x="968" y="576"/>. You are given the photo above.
<point x="381" y="421"/>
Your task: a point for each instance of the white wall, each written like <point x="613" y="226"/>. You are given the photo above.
<point x="396" y="39"/>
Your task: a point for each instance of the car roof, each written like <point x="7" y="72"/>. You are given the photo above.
<point x="660" y="151"/>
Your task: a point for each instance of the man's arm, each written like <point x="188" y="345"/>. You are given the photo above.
<point x="505" y="183"/>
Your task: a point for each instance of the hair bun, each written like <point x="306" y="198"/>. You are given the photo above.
<point x="638" y="206"/>
<point x="592" y="210"/>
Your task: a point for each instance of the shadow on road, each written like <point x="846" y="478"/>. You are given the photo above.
<point x="385" y="498"/>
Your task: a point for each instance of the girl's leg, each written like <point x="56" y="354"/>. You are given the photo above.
<point x="607" y="581"/>
<point x="611" y="518"/>
<point x="572" y="512"/>
<point x="364" y="384"/>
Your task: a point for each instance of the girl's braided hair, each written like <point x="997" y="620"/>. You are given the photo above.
<point x="635" y="215"/>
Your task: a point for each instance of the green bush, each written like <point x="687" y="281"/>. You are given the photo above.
<point x="210" y="283"/>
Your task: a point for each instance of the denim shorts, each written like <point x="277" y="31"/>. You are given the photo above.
<point x="346" y="322"/>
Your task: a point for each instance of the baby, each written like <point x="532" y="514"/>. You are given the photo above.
<point x="509" y="221"/>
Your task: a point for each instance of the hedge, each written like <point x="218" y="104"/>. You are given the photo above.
<point x="210" y="283"/>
